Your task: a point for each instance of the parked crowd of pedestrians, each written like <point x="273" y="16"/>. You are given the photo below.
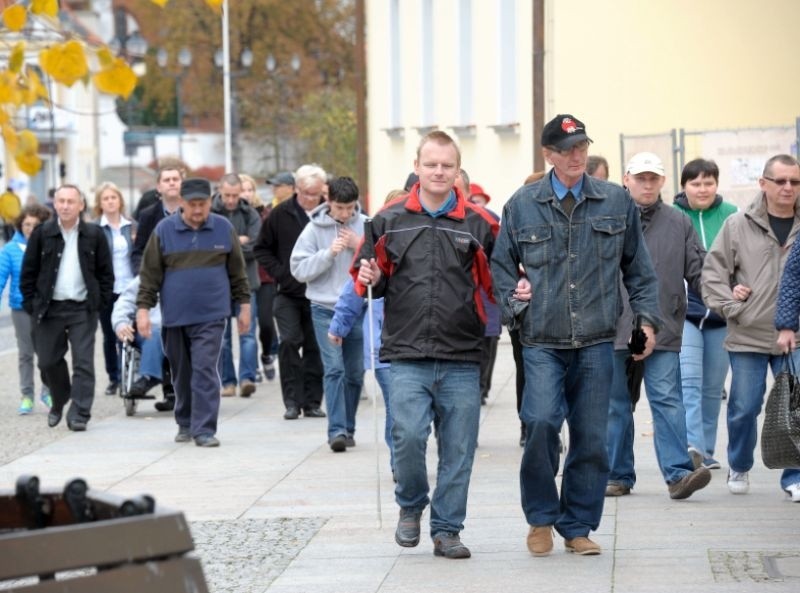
<point x="603" y="287"/>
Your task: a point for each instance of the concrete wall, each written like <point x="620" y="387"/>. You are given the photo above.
<point x="622" y="66"/>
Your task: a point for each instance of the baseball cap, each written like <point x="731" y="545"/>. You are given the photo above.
<point x="195" y="189"/>
<point x="645" y="162"/>
<point x="282" y="178"/>
<point x="563" y="132"/>
<point x="477" y="190"/>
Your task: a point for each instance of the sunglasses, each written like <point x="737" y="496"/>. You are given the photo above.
<point x="783" y="181"/>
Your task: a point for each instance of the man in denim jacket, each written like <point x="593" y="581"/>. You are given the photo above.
<point x="570" y="236"/>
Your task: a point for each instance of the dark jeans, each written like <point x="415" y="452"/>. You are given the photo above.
<point x="111" y="345"/>
<point x="573" y="385"/>
<point x="68" y="324"/>
<point x="193" y="353"/>
<point x="267" y="333"/>
<point x="488" y="356"/>
<point x="516" y="349"/>
<point x="301" y="372"/>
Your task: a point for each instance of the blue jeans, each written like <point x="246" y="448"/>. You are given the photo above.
<point x="662" y="384"/>
<point x="704" y="366"/>
<point x="248" y="350"/>
<point x="384" y="378"/>
<point x="343" y="372"/>
<point x="748" y="386"/>
<point x="446" y="393"/>
<point x="152" y="352"/>
<point x="572" y="385"/>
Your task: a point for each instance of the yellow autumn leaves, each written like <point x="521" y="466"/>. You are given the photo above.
<point x="217" y="4"/>
<point x="65" y="62"/>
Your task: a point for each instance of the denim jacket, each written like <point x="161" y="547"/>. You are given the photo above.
<point x="573" y="264"/>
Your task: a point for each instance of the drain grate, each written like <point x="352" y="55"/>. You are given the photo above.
<point x="763" y="566"/>
<point x="246" y="555"/>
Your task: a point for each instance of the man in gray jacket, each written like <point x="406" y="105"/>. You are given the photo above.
<point x="677" y="257"/>
<point x="247" y="223"/>
<point x="740" y="282"/>
<point x="321" y="259"/>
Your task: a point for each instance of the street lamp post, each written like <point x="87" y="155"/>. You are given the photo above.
<point x="246" y="61"/>
<point x="271" y="66"/>
<point x="132" y="47"/>
<point x="184" y="61"/>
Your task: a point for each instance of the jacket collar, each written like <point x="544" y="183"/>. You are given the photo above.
<point x="592" y="189"/>
<point x="414" y="205"/>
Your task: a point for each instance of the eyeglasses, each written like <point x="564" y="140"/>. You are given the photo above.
<point x="783" y="181"/>
<point x="582" y="146"/>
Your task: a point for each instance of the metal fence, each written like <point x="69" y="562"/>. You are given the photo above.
<point x="739" y="153"/>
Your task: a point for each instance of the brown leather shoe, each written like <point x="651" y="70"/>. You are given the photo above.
<point x="582" y="546"/>
<point x="690" y="483"/>
<point x="540" y="540"/>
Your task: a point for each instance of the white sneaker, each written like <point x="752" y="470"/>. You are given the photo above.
<point x="739" y="482"/>
<point x="793" y="490"/>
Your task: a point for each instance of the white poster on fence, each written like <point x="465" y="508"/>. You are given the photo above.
<point x="741" y="155"/>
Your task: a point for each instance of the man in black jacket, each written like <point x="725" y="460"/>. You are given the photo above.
<point x="247" y="223"/>
<point x="67" y="278"/>
<point x="430" y="263"/>
<point x="301" y="376"/>
<point x="168" y="187"/>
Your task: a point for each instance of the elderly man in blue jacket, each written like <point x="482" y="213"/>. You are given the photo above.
<point x="571" y="235"/>
<point x="194" y="262"/>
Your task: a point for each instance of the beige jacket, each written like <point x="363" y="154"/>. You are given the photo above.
<point x="746" y="251"/>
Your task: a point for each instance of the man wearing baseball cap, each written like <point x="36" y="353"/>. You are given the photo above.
<point x="572" y="236"/>
<point x="678" y="259"/>
<point x="194" y="262"/>
<point x="282" y="187"/>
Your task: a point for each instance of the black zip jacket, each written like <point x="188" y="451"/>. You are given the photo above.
<point x="43" y="256"/>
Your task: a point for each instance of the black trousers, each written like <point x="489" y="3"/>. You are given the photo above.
<point x="298" y="354"/>
<point x="68" y="324"/>
<point x="193" y="353"/>
<point x="267" y="333"/>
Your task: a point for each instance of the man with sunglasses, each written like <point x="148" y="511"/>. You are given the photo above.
<point x="740" y="282"/>
<point x="573" y="236"/>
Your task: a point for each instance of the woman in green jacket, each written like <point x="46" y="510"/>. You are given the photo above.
<point x="704" y="362"/>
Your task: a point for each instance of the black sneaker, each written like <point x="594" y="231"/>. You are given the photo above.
<point x="268" y="364"/>
<point x="112" y="388"/>
<point x="314" y="413"/>
<point x="407" y="532"/>
<point x="142" y="385"/>
<point x="449" y="545"/>
<point x="184" y="434"/>
<point x="338" y="443"/>
<point x="291" y="413"/>
<point x="166" y="405"/>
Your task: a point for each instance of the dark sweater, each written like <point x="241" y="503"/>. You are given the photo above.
<point x="198" y="273"/>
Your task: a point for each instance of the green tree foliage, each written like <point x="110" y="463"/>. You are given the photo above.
<point x="319" y="32"/>
<point x="327" y="126"/>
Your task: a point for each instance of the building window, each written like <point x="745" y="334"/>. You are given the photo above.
<point x="507" y="62"/>
<point x="427" y="89"/>
<point x="395" y="79"/>
<point x="465" y="97"/>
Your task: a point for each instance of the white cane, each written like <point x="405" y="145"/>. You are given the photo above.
<point x="368" y="252"/>
<point x="374" y="408"/>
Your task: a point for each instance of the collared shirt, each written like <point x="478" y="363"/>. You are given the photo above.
<point x="561" y="190"/>
<point x="446" y="207"/>
<point x="120" y="253"/>
<point x="69" y="282"/>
